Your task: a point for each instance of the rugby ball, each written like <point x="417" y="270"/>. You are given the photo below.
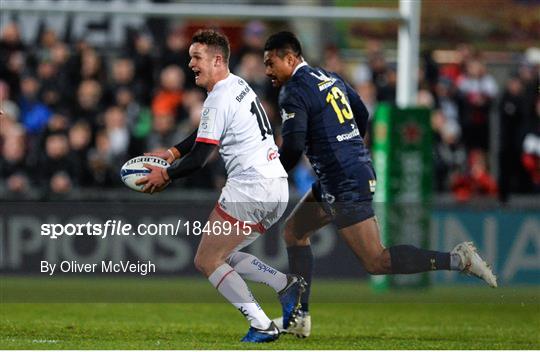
<point x="133" y="170"/>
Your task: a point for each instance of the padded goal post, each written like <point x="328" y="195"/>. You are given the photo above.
<point x="402" y="155"/>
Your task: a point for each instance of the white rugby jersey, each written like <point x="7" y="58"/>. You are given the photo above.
<point x="233" y="118"/>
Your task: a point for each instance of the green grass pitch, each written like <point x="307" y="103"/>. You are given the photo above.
<point x="173" y="313"/>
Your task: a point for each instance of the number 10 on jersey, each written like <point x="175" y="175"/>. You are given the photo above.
<point x="262" y="119"/>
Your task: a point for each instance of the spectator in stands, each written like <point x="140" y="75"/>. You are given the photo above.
<point x="9" y="117"/>
<point x="164" y="133"/>
<point x="477" y="181"/>
<point x="47" y="40"/>
<point x="176" y="53"/>
<point x="14" y="169"/>
<point x="34" y="113"/>
<point x="92" y="66"/>
<point x="80" y="139"/>
<point x="425" y="99"/>
<point x="429" y="70"/>
<point x="101" y="162"/>
<point x="449" y="154"/>
<point x="144" y="62"/>
<point x="384" y="78"/>
<point x="66" y="75"/>
<point x="4" y="91"/>
<point x="531" y="150"/>
<point x="12" y="58"/>
<point x="478" y="91"/>
<point x="513" y="125"/>
<point x="168" y="98"/>
<point x="9" y="110"/>
<point x="368" y="93"/>
<point x="193" y="99"/>
<point x="445" y="95"/>
<point x="56" y="169"/>
<point x="333" y="61"/>
<point x="50" y="90"/>
<point x="88" y="104"/>
<point x="455" y="70"/>
<point x="125" y="99"/>
<point x="13" y="72"/>
<point x="253" y="39"/>
<point x="10" y="41"/>
<point x="251" y="69"/>
<point x="529" y="76"/>
<point x="122" y="77"/>
<point x="118" y="134"/>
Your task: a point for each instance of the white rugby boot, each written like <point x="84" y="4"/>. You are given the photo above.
<point x="472" y="263"/>
<point x="301" y="328"/>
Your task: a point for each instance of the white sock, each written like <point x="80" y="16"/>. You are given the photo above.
<point x="251" y="268"/>
<point x="455" y="262"/>
<point x="234" y="289"/>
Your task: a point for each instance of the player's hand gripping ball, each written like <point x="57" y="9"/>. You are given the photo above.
<point x="145" y="174"/>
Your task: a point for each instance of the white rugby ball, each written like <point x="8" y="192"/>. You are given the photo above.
<point x="133" y="170"/>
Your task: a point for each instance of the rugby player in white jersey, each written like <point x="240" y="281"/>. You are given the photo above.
<point x="256" y="192"/>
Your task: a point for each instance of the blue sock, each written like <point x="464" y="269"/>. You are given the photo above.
<point x="301" y="263"/>
<point x="408" y="259"/>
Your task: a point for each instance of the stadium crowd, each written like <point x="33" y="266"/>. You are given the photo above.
<point x="72" y="114"/>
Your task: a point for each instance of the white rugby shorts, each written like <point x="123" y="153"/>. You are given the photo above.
<point x="256" y="204"/>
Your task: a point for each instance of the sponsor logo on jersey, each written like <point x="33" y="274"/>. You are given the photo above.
<point x="208" y="119"/>
<point x="242" y="94"/>
<point x="326" y="84"/>
<point x="286" y="115"/>
<point x="272" y="154"/>
<point x="320" y="76"/>
<point x="325" y="80"/>
<point x="346" y="136"/>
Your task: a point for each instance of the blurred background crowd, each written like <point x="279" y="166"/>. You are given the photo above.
<point x="73" y="113"/>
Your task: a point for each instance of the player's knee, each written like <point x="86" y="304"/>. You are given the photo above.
<point x="199" y="263"/>
<point x="204" y="265"/>
<point x="288" y="235"/>
<point x="291" y="235"/>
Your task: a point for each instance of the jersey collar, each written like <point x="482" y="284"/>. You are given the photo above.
<point x="300" y="65"/>
<point x="218" y="83"/>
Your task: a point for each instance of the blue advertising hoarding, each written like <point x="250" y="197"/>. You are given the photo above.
<point x="507" y="239"/>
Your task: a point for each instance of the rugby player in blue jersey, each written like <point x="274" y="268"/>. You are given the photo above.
<point x="323" y="116"/>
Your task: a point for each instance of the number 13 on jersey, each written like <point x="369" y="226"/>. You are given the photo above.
<point x="340" y="104"/>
